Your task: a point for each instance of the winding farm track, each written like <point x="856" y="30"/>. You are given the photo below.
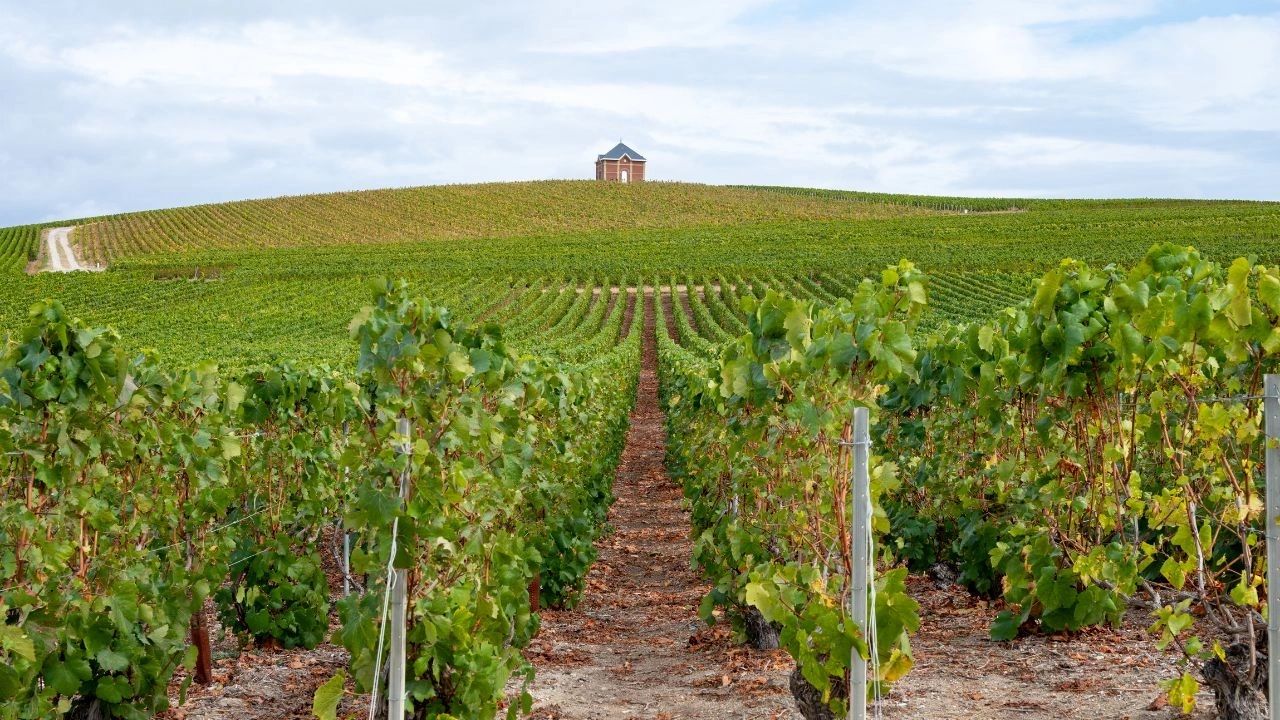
<point x="62" y="257"/>
<point x="635" y="646"/>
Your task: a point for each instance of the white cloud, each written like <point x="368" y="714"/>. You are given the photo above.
<point x="253" y="57"/>
<point x="1024" y="150"/>
<point x="1210" y="73"/>
<point x="572" y="26"/>
<point x="915" y="97"/>
<point x="1206" y="74"/>
<point x="986" y="41"/>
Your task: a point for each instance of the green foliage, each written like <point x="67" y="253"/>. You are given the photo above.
<point x="1061" y="448"/>
<point x="507" y="476"/>
<point x="1103" y="433"/>
<point x="754" y="439"/>
<point x="140" y="490"/>
<point x="1181" y="692"/>
<point x="257" y="283"/>
<point x="117" y="473"/>
<point x="973" y="541"/>
<point x="1037" y="587"/>
<point x="454" y="212"/>
<point x="325" y="704"/>
<point x="288" y="480"/>
<point x="276" y="593"/>
<point x="910" y="538"/>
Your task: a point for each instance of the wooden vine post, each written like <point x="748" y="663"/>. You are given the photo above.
<point x="204" y="652"/>
<point x="535" y="583"/>
<point x="203" y="674"/>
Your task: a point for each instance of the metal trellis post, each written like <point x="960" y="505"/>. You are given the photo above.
<point x="346" y="535"/>
<point x="346" y="563"/>
<point x="861" y="511"/>
<point x="1271" y="416"/>
<point x="399" y="605"/>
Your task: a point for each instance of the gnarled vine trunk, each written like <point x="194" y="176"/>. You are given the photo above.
<point x="761" y="634"/>
<point x="809" y="699"/>
<point x="84" y="708"/>
<point x="1239" y="694"/>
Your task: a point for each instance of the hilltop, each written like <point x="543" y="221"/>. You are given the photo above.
<point x="256" y="280"/>
<point x="443" y="212"/>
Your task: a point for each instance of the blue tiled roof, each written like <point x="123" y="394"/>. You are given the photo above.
<point x="618" y="151"/>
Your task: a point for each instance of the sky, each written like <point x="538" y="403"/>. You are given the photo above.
<point x="136" y="104"/>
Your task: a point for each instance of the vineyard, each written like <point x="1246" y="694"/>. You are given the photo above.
<point x="577" y="431"/>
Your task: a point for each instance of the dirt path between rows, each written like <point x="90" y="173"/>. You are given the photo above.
<point x="628" y="312"/>
<point x="635" y="647"/>
<point x="668" y="315"/>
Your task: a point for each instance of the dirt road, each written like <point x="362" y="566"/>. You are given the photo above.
<point x="62" y="258"/>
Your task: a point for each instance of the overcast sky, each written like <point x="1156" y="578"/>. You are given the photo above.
<point x="111" y="106"/>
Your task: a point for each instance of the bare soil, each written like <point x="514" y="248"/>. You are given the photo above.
<point x="688" y="312"/>
<point x="495" y="309"/>
<point x="1096" y="673"/>
<point x="608" y="308"/>
<point x="667" y="309"/>
<point x="634" y="646"/>
<point x="628" y="312"/>
<point x="261" y="683"/>
<point x="56" y="248"/>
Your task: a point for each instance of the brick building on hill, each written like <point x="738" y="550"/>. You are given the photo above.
<point x="621" y="164"/>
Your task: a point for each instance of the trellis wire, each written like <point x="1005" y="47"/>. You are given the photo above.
<point x="174" y="545"/>
<point x="247" y="559"/>
<point x="873" y="637"/>
<point x="214" y="530"/>
<point x="1123" y="401"/>
<point x="382" y="621"/>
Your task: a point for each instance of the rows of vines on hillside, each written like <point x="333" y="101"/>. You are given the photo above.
<point x="1095" y="446"/>
<point x="138" y="492"/>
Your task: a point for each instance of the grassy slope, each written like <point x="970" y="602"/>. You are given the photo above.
<point x="293" y="270"/>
